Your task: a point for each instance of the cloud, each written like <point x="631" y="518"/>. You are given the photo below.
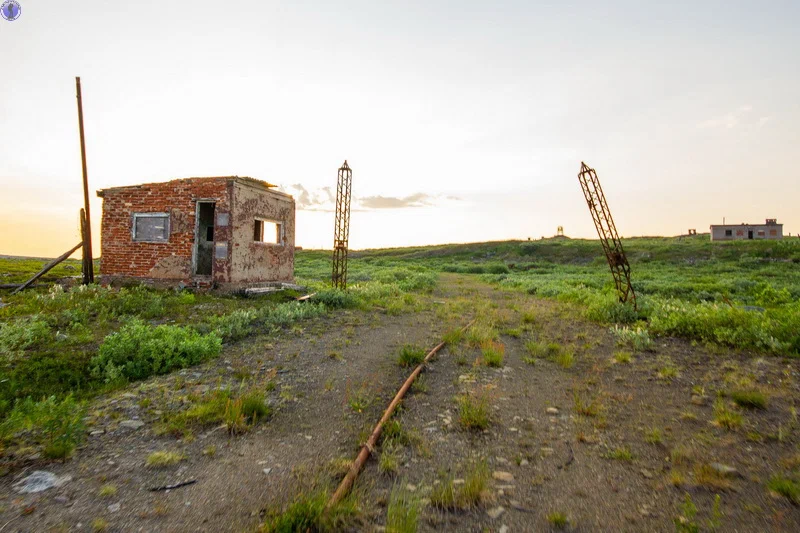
<point x="324" y="199"/>
<point x="419" y="199"/>
<point x="317" y="200"/>
<point x="728" y="121"/>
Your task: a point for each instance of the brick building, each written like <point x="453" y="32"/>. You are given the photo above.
<point x="227" y="232"/>
<point x="737" y="232"/>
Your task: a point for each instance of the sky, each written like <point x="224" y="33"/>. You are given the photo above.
<point x="462" y="121"/>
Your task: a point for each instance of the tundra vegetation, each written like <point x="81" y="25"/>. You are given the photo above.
<point x="61" y="348"/>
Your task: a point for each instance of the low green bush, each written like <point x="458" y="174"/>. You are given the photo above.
<point x="139" y="350"/>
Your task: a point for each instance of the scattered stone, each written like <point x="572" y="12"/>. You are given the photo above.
<point x="114" y="507"/>
<point x="458" y="482"/>
<point x="308" y="437"/>
<point x="503" y="529"/>
<point x="412" y="488"/>
<point x="724" y="470"/>
<point x="524" y="462"/>
<point x="646" y="473"/>
<point x="131" y="424"/>
<point x="267" y="470"/>
<point x="61" y="499"/>
<point x="495" y="512"/>
<point x="552" y="411"/>
<point x="547" y="452"/>
<point x="39" y="481"/>
<point x="503" y="476"/>
<point x="97" y="432"/>
<point x="501" y="460"/>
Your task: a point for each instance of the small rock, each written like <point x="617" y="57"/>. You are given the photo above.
<point x="524" y="462"/>
<point x="411" y="488"/>
<point x="267" y="470"/>
<point x="39" y="481"/>
<point x="552" y="411"/>
<point x="547" y="451"/>
<point x="495" y="512"/>
<point x="646" y="473"/>
<point x="724" y="470"/>
<point x="503" y="529"/>
<point x="97" y="432"/>
<point x="502" y="476"/>
<point x="61" y="499"/>
<point x="131" y="424"/>
<point x="458" y="482"/>
<point x="308" y="437"/>
<point x="114" y="507"/>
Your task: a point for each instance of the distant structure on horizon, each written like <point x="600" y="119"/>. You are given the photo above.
<point x="736" y="232"/>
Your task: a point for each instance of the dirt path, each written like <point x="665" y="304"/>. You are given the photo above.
<point x="548" y="452"/>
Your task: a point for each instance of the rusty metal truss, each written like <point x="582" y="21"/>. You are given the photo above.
<point x="341" y="233"/>
<point x="607" y="232"/>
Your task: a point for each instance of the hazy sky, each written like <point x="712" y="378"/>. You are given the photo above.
<point x="462" y="120"/>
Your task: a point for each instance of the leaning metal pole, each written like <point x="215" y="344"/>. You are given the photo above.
<point x="341" y="233"/>
<point x="607" y="231"/>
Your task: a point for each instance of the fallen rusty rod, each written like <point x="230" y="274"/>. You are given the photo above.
<point x="369" y="446"/>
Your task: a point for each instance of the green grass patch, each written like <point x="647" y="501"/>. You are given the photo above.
<point x="410" y="355"/>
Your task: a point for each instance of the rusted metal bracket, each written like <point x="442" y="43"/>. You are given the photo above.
<point x="341" y="234"/>
<point x="607" y="231"/>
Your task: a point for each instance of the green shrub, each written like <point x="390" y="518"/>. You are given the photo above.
<point x="473" y="411"/>
<point x="235" y="325"/>
<point x="23" y="333"/>
<point x="638" y="339"/>
<point x="786" y="487"/>
<point x="139" y="350"/>
<point x="307" y="512"/>
<point x="287" y="313"/>
<point x="55" y="425"/>
<point x="493" y="353"/>
<point x="336" y="299"/>
<point x="410" y="355"/>
<point x="749" y="399"/>
<point x="403" y="511"/>
<point x="255" y="408"/>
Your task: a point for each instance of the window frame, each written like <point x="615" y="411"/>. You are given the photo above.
<point x="279" y="232"/>
<point x="729" y="233"/>
<point x="168" y="227"/>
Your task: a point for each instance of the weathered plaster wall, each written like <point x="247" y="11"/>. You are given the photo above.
<point x="172" y="260"/>
<point x="254" y="261"/>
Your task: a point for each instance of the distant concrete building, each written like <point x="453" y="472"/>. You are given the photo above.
<point x="228" y="232"/>
<point x="737" y="232"/>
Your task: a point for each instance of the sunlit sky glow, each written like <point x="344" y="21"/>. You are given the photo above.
<point x="463" y="121"/>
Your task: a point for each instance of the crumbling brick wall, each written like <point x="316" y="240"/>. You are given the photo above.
<point x="172" y="260"/>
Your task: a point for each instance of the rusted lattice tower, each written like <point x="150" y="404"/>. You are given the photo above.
<point x="607" y="232"/>
<point x="341" y="232"/>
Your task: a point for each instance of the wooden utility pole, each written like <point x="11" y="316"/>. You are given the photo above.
<point x="88" y="262"/>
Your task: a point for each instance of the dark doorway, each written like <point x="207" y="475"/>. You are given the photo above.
<point x="204" y="239"/>
<point x="749" y="234"/>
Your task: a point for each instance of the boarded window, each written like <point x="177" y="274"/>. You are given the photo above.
<point x="151" y="227"/>
<point x="728" y="232"/>
<point x="740" y="232"/>
<point x="773" y="232"/>
<point x="762" y="233"/>
<point x="267" y="231"/>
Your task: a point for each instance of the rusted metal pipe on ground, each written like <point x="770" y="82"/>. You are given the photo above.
<point x="369" y="446"/>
